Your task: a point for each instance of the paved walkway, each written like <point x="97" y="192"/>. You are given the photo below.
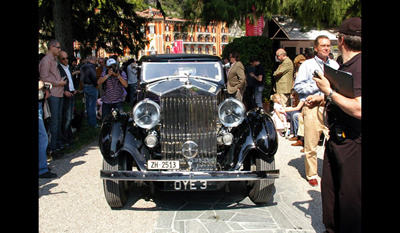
<point x="296" y="206"/>
<point x="75" y="202"/>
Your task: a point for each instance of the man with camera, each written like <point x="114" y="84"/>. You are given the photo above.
<point x="312" y="113"/>
<point x="114" y="83"/>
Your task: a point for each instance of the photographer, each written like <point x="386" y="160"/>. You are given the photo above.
<point x="114" y="81"/>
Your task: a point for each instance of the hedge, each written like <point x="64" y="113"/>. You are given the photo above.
<point x="259" y="46"/>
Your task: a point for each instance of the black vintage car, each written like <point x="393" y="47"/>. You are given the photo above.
<point x="184" y="134"/>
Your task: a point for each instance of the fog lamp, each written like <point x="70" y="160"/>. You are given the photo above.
<point x="151" y="140"/>
<point x="227" y="139"/>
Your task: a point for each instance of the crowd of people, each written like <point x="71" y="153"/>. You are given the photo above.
<point x="293" y="84"/>
<point x="100" y="80"/>
<point x="303" y="99"/>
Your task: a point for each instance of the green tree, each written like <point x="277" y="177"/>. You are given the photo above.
<point x="111" y="24"/>
<point x="320" y="13"/>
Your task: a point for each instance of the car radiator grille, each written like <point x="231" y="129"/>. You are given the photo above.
<point x="190" y="119"/>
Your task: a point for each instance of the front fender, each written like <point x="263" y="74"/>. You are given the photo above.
<point x="264" y="132"/>
<point x="257" y="132"/>
<point x="112" y="135"/>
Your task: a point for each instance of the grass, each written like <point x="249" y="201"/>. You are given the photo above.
<point x="87" y="133"/>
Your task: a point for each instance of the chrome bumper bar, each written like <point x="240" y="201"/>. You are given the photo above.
<point x="193" y="176"/>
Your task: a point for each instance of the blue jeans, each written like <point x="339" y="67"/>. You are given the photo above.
<point x="258" y="95"/>
<point x="106" y="108"/>
<point x="91" y="95"/>
<point x="294" y="121"/>
<point x="56" y="109"/>
<point x="43" y="142"/>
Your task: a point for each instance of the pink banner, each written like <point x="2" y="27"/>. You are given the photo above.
<point x="178" y="46"/>
<point x="256" y="29"/>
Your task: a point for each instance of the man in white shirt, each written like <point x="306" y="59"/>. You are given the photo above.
<point x="312" y="115"/>
<point x="132" y="80"/>
<point x="65" y="134"/>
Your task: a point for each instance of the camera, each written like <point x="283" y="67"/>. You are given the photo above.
<point x="315" y="74"/>
<point x="47" y="86"/>
<point x="134" y="65"/>
<point x="114" y="69"/>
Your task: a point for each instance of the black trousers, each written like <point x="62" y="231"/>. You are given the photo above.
<point x="341" y="186"/>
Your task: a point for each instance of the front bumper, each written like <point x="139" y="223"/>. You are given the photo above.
<point x="187" y="175"/>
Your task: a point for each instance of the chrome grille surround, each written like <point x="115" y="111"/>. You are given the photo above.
<point x="190" y="118"/>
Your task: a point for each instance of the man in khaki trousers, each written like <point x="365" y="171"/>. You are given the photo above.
<point x="312" y="114"/>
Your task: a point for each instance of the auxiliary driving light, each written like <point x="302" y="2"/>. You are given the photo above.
<point x="151" y="140"/>
<point x="227" y="139"/>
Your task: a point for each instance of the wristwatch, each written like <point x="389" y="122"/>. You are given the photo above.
<point x="329" y="97"/>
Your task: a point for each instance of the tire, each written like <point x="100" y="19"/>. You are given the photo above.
<point x="261" y="191"/>
<point x="116" y="192"/>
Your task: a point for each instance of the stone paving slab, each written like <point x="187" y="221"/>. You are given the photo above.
<point x="296" y="206"/>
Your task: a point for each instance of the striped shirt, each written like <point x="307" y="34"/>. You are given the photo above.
<point x="114" y="91"/>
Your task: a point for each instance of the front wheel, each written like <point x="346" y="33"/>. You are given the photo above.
<point x="261" y="191"/>
<point x="116" y="192"/>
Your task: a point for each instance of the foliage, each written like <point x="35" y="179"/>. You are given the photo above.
<point x="110" y="24"/>
<point x="323" y="13"/>
<point x="258" y="46"/>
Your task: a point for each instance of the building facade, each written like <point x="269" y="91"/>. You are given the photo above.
<point x="196" y="39"/>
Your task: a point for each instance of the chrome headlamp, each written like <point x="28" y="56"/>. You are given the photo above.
<point x="231" y="112"/>
<point x="146" y="114"/>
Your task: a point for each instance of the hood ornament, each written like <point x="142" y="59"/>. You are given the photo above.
<point x="188" y="83"/>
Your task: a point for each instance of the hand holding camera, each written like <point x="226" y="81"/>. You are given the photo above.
<point x="315" y="74"/>
<point x="113" y="71"/>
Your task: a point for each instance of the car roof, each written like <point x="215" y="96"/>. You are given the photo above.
<point x="179" y="58"/>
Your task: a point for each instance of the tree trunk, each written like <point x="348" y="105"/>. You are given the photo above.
<point x="63" y="25"/>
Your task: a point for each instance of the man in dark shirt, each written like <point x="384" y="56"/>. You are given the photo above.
<point x="89" y="79"/>
<point x="259" y="79"/>
<point x="341" y="177"/>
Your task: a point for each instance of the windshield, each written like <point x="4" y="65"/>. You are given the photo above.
<point x="207" y="70"/>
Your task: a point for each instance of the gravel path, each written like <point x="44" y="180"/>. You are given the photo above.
<point x="74" y="202"/>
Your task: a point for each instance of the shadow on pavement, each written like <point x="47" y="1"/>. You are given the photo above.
<point x="141" y="199"/>
<point x="61" y="167"/>
<point x="298" y="163"/>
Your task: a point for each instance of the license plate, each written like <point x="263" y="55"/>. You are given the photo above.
<point x="162" y="164"/>
<point x="187" y="185"/>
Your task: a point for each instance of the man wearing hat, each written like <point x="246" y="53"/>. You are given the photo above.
<point x="114" y="83"/>
<point x="341" y="176"/>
